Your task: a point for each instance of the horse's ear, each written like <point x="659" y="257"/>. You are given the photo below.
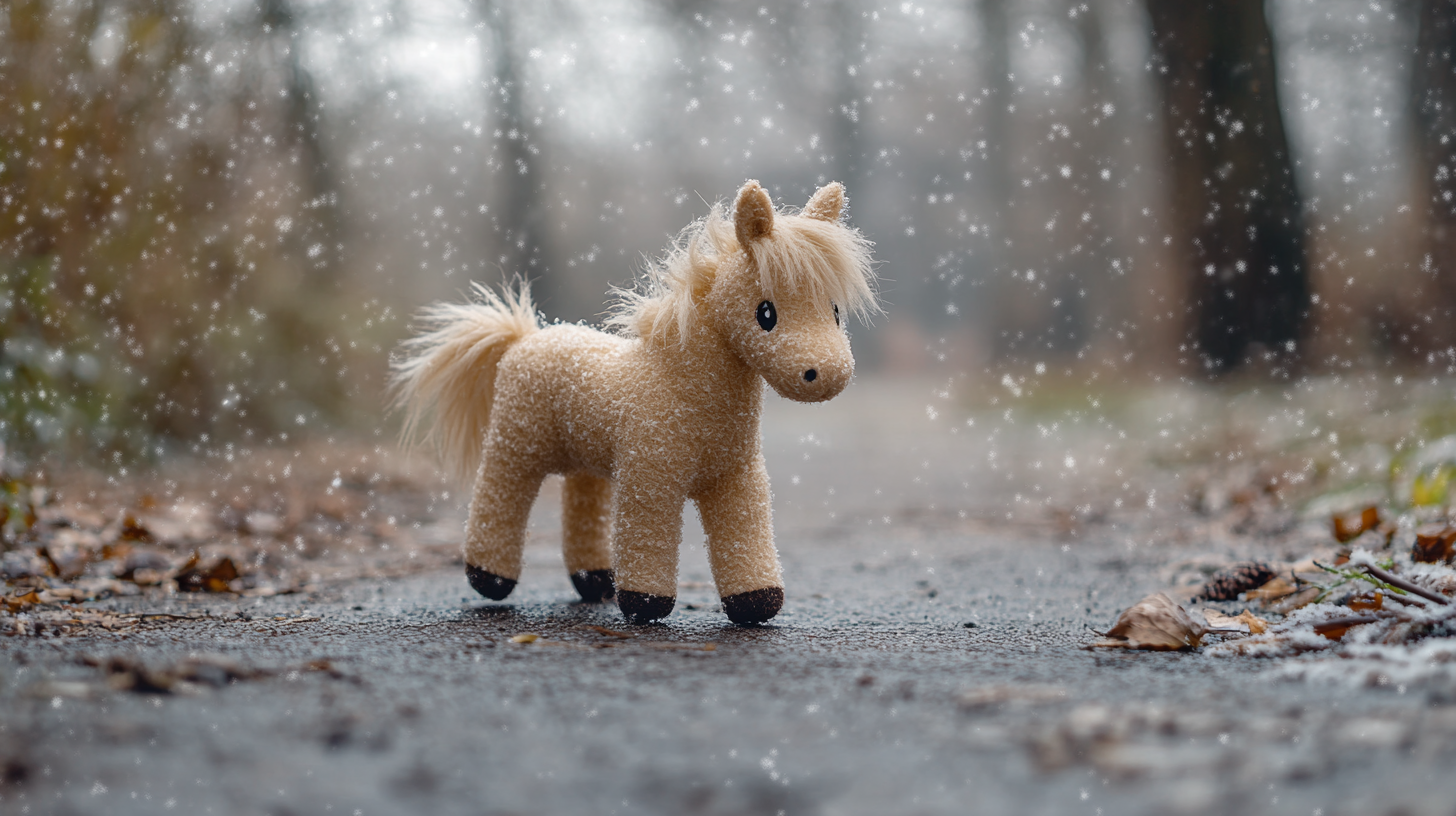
<point x="827" y="204"/>
<point x="753" y="214"/>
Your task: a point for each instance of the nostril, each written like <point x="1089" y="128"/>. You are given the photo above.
<point x="811" y="375"/>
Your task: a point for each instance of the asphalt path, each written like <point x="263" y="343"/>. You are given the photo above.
<point x="929" y="660"/>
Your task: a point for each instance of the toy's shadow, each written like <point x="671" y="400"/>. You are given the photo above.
<point x="564" y="617"/>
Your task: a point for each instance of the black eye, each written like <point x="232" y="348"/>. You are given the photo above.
<point x="767" y="317"/>
<point x="836" y="313"/>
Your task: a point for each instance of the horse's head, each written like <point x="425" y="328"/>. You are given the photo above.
<point x="785" y="305"/>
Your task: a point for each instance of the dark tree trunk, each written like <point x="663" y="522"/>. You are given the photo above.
<point x="318" y="239"/>
<point x="846" y="131"/>
<point x="1095" y="193"/>
<point x="994" y="173"/>
<point x="519" y="216"/>
<point x="1237" y="215"/>
<point x="1433" y="103"/>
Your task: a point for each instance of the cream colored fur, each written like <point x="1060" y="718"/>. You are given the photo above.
<point x="666" y="411"/>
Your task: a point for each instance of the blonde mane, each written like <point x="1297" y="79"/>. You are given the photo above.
<point x="825" y="259"/>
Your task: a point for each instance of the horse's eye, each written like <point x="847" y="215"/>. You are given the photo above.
<point x="836" y="313"/>
<point x="767" y="317"/>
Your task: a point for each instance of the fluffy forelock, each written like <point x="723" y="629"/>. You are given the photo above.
<point x="823" y="259"/>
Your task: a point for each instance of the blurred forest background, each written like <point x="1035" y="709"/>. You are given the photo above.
<point x="216" y="217"/>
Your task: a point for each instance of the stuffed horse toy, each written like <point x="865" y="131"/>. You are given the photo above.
<point x="664" y="410"/>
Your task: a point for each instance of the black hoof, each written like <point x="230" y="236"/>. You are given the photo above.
<point x="594" y="586"/>
<point x="489" y="584"/>
<point x="748" y="608"/>
<point x="640" y="607"/>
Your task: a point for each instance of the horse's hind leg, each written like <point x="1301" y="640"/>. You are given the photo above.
<point x="505" y="489"/>
<point x="586" y="532"/>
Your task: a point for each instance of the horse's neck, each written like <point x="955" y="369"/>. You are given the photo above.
<point x="705" y="372"/>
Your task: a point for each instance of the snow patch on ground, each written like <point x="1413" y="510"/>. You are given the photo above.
<point x="1427" y="664"/>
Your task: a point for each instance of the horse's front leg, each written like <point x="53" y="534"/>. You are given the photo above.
<point x="647" y="530"/>
<point x="495" y="537"/>
<point x="739" y="523"/>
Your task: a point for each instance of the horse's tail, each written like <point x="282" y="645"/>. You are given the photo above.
<point x="450" y="367"/>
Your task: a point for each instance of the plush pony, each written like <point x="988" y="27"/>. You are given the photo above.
<point x="665" y="410"/>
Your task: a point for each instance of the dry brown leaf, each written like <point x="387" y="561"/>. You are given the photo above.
<point x="1435" y="544"/>
<point x="1280" y="587"/>
<point x="1336" y="628"/>
<point x="213" y="579"/>
<point x="133" y="530"/>
<point x="1157" y="623"/>
<point x="1368" y="602"/>
<point x="1246" y="621"/>
<point x="1348" y="528"/>
<point x="68" y="566"/>
<point x="19" y="601"/>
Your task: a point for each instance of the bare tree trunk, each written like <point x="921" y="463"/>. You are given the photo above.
<point x="1238" y="217"/>
<point x="846" y="132"/>
<point x="319" y="239"/>
<point x="1098" y="287"/>
<point x="1433" y="104"/>
<point x="995" y="174"/>
<point x="519" y="216"/>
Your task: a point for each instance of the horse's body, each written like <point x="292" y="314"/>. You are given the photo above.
<point x="640" y="424"/>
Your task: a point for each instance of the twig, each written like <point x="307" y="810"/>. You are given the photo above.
<point x="1325" y="627"/>
<point x="1406" y="599"/>
<point x="1396" y="581"/>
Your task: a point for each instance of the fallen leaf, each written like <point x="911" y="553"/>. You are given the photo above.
<point x="1349" y="527"/>
<point x="1276" y="589"/>
<point x="1367" y="602"/>
<point x="67" y="566"/>
<point x="1432" y="487"/>
<point x="19" y="601"/>
<point x="1155" y="623"/>
<point x="212" y="579"/>
<point x="525" y="637"/>
<point x="133" y="530"/>
<point x="1245" y="622"/>
<point x="1434" y="544"/>
<point x="1336" y="628"/>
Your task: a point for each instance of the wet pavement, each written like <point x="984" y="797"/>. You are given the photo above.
<point x="929" y="660"/>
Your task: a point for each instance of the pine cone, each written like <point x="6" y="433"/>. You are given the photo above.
<point x="1228" y="584"/>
